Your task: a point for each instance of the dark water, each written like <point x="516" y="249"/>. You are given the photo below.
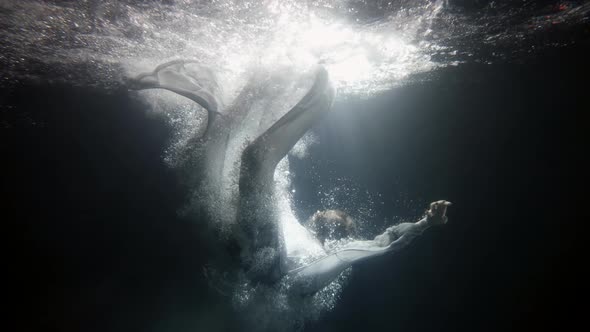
<point x="99" y="245"/>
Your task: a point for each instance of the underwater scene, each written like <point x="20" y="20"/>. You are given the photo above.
<point x="311" y="165"/>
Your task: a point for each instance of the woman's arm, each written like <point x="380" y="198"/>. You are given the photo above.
<point x="315" y="276"/>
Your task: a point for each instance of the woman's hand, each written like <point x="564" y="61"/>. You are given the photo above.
<point x="436" y="214"/>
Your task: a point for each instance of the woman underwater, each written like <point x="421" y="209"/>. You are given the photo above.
<point x="257" y="230"/>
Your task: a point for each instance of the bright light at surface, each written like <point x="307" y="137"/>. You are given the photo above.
<point x="359" y="59"/>
<point x="319" y="35"/>
<point x="339" y="48"/>
<point x="233" y="38"/>
<point x="350" y="69"/>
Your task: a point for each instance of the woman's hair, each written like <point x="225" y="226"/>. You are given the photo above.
<point x="331" y="225"/>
